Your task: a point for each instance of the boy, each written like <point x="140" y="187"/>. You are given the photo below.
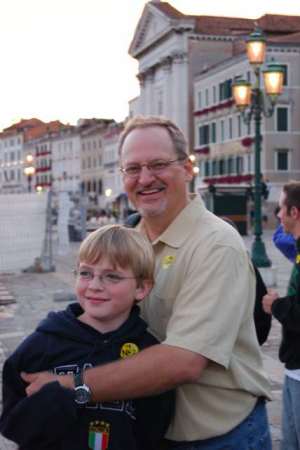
<point x="114" y="270"/>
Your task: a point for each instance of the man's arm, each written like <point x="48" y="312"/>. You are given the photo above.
<point x="153" y="370"/>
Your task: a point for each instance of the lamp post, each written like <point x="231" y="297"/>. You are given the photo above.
<point x="253" y="103"/>
<point x="193" y="160"/>
<point x="29" y="170"/>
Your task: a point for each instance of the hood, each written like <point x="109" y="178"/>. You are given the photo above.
<point x="65" y="325"/>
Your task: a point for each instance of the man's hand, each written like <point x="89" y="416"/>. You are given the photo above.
<point x="268" y="300"/>
<point x="37" y="380"/>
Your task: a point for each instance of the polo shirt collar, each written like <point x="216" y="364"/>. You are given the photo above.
<point x="179" y="230"/>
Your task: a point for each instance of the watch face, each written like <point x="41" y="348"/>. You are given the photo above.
<point x="82" y="395"/>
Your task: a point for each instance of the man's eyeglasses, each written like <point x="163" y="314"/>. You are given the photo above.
<point x="107" y="278"/>
<point x="154" y="167"/>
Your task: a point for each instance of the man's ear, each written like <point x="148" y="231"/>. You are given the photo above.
<point x="143" y="289"/>
<point x="188" y="166"/>
<point x="295" y="213"/>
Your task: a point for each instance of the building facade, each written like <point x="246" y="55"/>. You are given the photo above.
<point x="186" y="67"/>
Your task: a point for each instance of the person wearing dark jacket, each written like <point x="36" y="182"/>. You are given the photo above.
<point x="115" y="269"/>
<point x="287" y="311"/>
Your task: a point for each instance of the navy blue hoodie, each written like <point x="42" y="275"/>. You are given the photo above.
<point x="50" y="419"/>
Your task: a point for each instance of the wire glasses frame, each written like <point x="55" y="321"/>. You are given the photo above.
<point x="107" y="279"/>
<point x="154" y="167"/>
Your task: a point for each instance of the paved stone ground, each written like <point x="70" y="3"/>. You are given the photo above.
<point x="36" y="294"/>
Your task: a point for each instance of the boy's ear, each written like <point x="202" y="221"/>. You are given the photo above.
<point x="143" y="290"/>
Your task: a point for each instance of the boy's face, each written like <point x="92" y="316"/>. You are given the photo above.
<point x="107" y="294"/>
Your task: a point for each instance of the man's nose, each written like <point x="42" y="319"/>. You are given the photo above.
<point x="145" y="176"/>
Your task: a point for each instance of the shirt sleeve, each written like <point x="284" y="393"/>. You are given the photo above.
<point x="216" y="297"/>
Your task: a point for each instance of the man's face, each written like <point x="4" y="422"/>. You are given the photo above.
<point x="155" y="194"/>
<point x="286" y="218"/>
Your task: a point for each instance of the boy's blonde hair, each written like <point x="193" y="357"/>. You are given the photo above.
<point x="123" y="247"/>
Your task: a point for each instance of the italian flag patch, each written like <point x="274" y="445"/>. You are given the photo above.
<point x="98" y="435"/>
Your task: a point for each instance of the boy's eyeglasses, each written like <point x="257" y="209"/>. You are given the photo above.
<point x="107" y="279"/>
<point x="154" y="167"/>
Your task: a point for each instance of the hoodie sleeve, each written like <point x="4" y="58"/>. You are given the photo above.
<point x="38" y="421"/>
<point x="287" y="312"/>
<point x="153" y="416"/>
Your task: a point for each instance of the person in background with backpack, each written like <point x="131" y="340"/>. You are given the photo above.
<point x="201" y="307"/>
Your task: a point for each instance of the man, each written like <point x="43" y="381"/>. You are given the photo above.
<point x="287" y="311"/>
<point x="201" y="307"/>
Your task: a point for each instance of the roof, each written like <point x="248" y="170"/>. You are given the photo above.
<point x="223" y="25"/>
<point x="293" y="38"/>
<point x="168" y="9"/>
<point x="279" y="23"/>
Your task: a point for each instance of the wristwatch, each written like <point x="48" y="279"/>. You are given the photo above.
<point x="82" y="391"/>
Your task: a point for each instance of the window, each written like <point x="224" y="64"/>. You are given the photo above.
<point x="282" y="160"/>
<point x="222" y="131"/>
<point x="199" y="100"/>
<point x="285" y="74"/>
<point x="230" y="165"/>
<point x="206" y="169"/>
<point x="221" y="167"/>
<point x="239" y="165"/>
<point x="282" y="119"/>
<point x="206" y="97"/>
<point x="214" y="94"/>
<point x="213" y="132"/>
<point x="230" y="132"/>
<point x="215" y="168"/>
<point x="239" y="126"/>
<point x="225" y="90"/>
<point x="249" y="128"/>
<point x="204" y="135"/>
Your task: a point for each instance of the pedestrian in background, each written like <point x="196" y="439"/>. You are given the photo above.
<point x="114" y="271"/>
<point x="201" y="307"/>
<point x="287" y="311"/>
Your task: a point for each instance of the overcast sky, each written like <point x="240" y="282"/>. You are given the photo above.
<point x="66" y="59"/>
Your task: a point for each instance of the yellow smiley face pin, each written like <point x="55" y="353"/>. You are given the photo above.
<point x="128" y="349"/>
<point x="168" y="261"/>
<point x="298" y="259"/>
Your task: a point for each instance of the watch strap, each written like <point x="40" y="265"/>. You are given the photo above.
<point x="78" y="378"/>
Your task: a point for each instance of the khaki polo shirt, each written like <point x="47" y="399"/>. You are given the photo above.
<point x="203" y="301"/>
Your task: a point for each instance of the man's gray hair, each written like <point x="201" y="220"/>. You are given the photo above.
<point x="176" y="135"/>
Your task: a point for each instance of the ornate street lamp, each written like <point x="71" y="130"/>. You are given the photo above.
<point x="193" y="160"/>
<point x="253" y="103"/>
<point x="29" y="170"/>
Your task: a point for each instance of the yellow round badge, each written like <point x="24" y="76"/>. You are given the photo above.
<point x="168" y="261"/>
<point x="128" y="349"/>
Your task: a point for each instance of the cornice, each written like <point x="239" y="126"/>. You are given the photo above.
<point x="165" y="63"/>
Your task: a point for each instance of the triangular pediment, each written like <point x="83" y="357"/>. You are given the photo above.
<point x="150" y="26"/>
<point x="157" y="19"/>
